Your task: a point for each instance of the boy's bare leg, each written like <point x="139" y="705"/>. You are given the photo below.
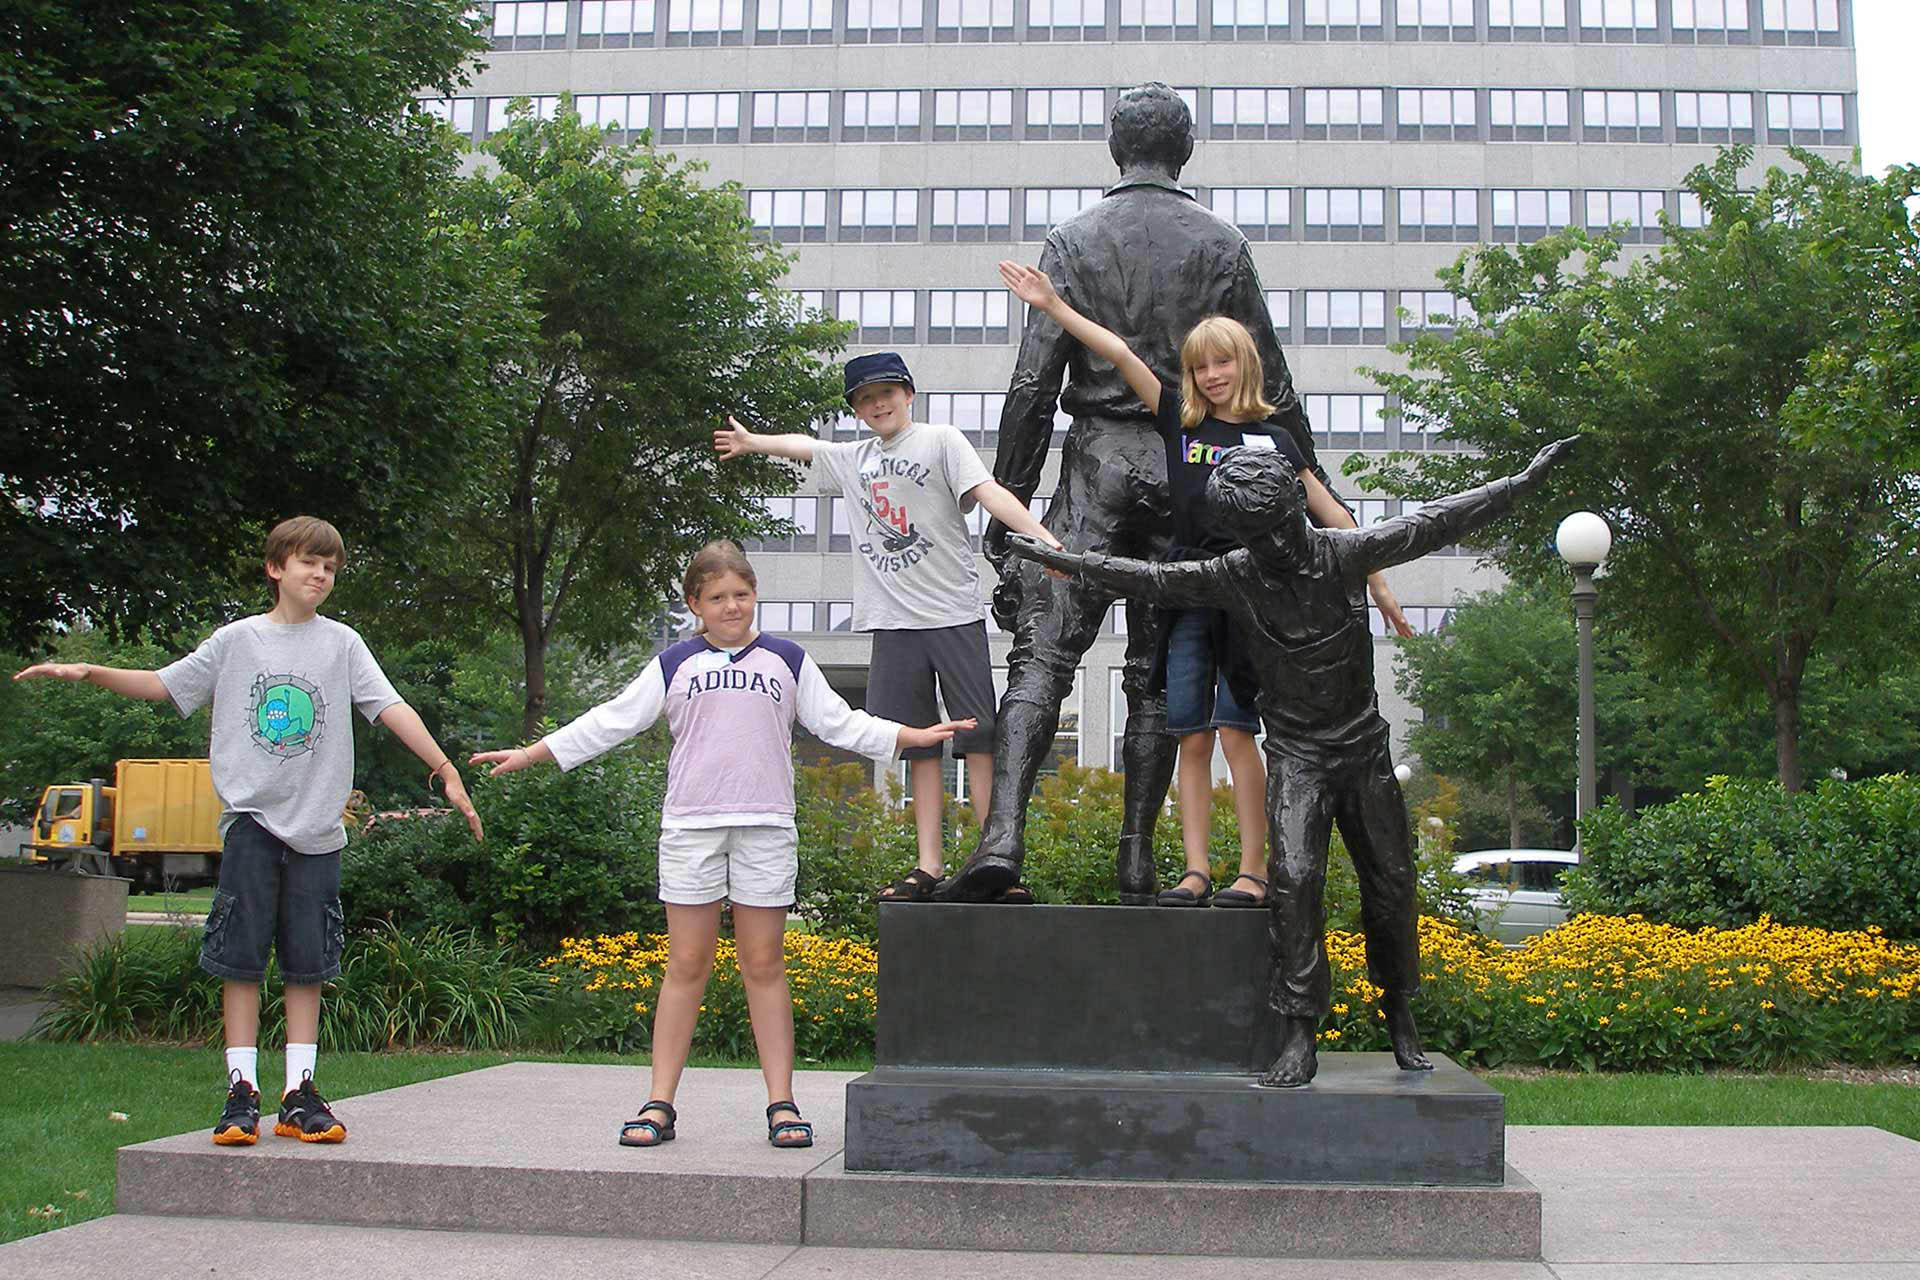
<point x="929" y="804"/>
<point x="692" y="933"/>
<point x="240" y="1013"/>
<point x="760" y="936"/>
<point x="1249" y="804"/>
<point x="303" y="1014"/>
<point x="1196" y="799"/>
<point x="980" y="784"/>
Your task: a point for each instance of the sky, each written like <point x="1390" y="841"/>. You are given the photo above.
<point x="1887" y="37"/>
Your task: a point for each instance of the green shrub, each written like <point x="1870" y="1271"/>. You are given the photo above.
<point x="565" y="853"/>
<point x="1842" y="856"/>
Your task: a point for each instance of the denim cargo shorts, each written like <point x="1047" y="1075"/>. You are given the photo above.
<point x="271" y="895"/>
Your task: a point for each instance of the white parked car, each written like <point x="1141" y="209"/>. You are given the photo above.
<point x="1516" y="892"/>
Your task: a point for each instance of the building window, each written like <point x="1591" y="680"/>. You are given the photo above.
<point x="1808" y="119"/>
<point x="530" y="24"/>
<point x="1439" y="213"/>
<point x="1159" y="20"/>
<point x="839" y="612"/>
<point x="1261" y="213"/>
<point x="790" y="217"/>
<point x="456" y="113"/>
<point x="880" y="215"/>
<point x="544" y="107"/>
<point x="1527" y="20"/>
<point x="973" y="20"/>
<point x="1116" y="623"/>
<point x="1434" y="19"/>
<point x="1251" y="113"/>
<point x="1444" y="115"/>
<point x="1620" y="115"/>
<point x="802" y="513"/>
<point x="883" y="315"/>
<point x="1252" y="20"/>
<point x="1710" y="22"/>
<point x="1280" y="311"/>
<point x="885" y="21"/>
<point x="790" y="117"/>
<point x="1048" y="206"/>
<point x="1345" y="317"/>
<point x="1431" y="309"/>
<point x="1638" y="211"/>
<point x="839" y="534"/>
<point x="1116" y="704"/>
<point x="1619" y="20"/>
<point x="1066" y="19"/>
<point x="616" y="24"/>
<point x="967" y="316"/>
<point x="1800" y="21"/>
<point x="880" y="115"/>
<point x="1527" y="115"/>
<point x="1057" y="114"/>
<point x="971" y="214"/>
<point x="1344" y="113"/>
<point x="795" y="22"/>
<point x="700" y="117"/>
<point x="1426" y="618"/>
<point x="1342" y="20"/>
<point x="794" y="616"/>
<point x="625" y="113"/>
<point x="1347" y="416"/>
<point x="1346" y="213"/>
<point x="975" y="413"/>
<point x="1693" y="214"/>
<point x="1713" y="117"/>
<point x="1521" y="216"/>
<point x="972" y="115"/>
<point x="705" y="22"/>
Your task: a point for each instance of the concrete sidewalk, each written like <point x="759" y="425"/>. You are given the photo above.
<point x="19" y="1008"/>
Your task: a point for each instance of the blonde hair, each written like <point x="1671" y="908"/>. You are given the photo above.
<point x="709" y="562"/>
<point x="303" y="535"/>
<point x="1212" y="338"/>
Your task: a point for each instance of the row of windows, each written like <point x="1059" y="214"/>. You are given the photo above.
<point x="985" y="214"/>
<point x="620" y="24"/>
<point x="1426" y="114"/>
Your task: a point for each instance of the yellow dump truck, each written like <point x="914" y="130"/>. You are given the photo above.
<point x="158" y="824"/>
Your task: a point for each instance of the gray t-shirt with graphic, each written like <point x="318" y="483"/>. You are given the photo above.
<point x="906" y="514"/>
<point x="282" y="746"/>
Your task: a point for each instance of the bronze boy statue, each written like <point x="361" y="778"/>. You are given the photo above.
<point x="1300" y="595"/>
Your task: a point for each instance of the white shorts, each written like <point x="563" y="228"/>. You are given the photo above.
<point x="752" y="866"/>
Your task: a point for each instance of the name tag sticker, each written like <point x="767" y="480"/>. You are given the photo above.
<point x="1257" y="442"/>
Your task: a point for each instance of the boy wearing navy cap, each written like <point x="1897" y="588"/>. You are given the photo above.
<point x="909" y="487"/>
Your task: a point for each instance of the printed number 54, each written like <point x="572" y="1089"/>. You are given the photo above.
<point x="895" y="516"/>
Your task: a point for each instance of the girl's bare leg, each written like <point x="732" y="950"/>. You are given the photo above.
<point x="1249" y="803"/>
<point x="691" y="935"/>
<point x="1195" y="791"/>
<point x="760" y="937"/>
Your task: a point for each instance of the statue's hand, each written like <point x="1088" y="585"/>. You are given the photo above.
<point x="1042" y="554"/>
<point x="993" y="544"/>
<point x="1006" y="597"/>
<point x="1550" y="455"/>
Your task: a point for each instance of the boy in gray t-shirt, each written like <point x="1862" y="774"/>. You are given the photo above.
<point x="908" y="488"/>
<point x="282" y="685"/>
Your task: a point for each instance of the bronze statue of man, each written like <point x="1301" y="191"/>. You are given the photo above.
<point x="1148" y="262"/>
<point x="1297" y="599"/>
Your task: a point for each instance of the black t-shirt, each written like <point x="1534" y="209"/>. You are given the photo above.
<point x="1192" y="454"/>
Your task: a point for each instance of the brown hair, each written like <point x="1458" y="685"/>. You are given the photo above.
<point x="1212" y="338"/>
<point x="303" y="535"/>
<point x="712" y="560"/>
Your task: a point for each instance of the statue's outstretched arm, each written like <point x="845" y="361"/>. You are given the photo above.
<point x="1444" y="520"/>
<point x="1185" y="583"/>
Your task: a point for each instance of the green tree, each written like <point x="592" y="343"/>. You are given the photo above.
<point x="1746" y="398"/>
<point x="658" y="313"/>
<point x="223" y="297"/>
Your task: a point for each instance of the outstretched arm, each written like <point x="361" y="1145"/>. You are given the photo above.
<point x="735" y="440"/>
<point x="122" y="680"/>
<point x="1186" y="583"/>
<point x="1034" y="288"/>
<point x="1445" y="520"/>
<point x="1330" y="513"/>
<point x="407" y="726"/>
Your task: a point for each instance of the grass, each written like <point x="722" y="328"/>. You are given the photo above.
<point x="57" y="1137"/>
<point x="186" y="902"/>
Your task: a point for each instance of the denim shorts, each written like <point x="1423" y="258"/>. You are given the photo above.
<point x="1198" y="697"/>
<point x="271" y="895"/>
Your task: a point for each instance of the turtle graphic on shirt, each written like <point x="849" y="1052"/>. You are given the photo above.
<point x="286" y="715"/>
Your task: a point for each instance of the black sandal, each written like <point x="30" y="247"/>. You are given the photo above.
<point x="1240" y="897"/>
<point x="915" y="886"/>
<point x="660" y="1132"/>
<point x="779" y="1132"/>
<point x="1180" y="896"/>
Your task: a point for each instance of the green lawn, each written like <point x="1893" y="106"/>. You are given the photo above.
<point x="58" y="1137"/>
<point x="189" y="902"/>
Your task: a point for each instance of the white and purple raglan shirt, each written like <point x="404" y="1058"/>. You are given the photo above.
<point x="731" y="715"/>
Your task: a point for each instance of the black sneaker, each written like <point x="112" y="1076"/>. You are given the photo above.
<point x="240" y="1122"/>
<point x="304" y="1115"/>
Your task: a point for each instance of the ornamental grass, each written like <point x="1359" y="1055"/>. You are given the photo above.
<point x="1618" y="993"/>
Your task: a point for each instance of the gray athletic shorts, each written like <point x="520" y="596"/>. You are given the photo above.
<point x="900" y="680"/>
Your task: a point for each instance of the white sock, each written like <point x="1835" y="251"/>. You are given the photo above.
<point x="246" y="1060"/>
<point x="300" y="1059"/>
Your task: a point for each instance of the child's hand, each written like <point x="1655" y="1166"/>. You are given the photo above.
<point x="733" y="441"/>
<point x="1029" y="284"/>
<point x="457" y="796"/>
<point x="932" y="735"/>
<point x="503" y="761"/>
<point x="53" y="670"/>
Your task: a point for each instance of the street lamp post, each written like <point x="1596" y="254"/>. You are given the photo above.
<point x="1583" y="540"/>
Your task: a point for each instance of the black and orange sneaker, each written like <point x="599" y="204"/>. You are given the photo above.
<point x="304" y="1114"/>
<point x="240" y="1121"/>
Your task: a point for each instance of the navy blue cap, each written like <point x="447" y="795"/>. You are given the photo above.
<point x="879" y="366"/>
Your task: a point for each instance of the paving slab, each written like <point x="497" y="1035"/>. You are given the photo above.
<point x="20" y="1008"/>
<point x="1722" y="1195"/>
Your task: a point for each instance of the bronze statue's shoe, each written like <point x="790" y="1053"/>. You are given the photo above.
<point x="985" y="877"/>
<point x="1133" y="867"/>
